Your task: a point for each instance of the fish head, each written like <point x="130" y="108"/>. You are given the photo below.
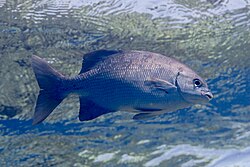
<point x="192" y="87"/>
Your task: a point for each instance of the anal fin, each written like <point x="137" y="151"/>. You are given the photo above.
<point x="90" y="110"/>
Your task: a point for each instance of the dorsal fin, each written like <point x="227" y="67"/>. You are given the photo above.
<point x="92" y="58"/>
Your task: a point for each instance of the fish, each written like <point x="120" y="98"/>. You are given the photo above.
<point x="145" y="83"/>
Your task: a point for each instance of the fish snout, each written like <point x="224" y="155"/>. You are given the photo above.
<point x="208" y="95"/>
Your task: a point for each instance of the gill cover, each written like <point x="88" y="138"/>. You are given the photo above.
<point x="189" y="90"/>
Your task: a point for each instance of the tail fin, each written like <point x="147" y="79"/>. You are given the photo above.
<point x="49" y="80"/>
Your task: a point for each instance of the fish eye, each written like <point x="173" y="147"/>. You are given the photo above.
<point x="197" y="83"/>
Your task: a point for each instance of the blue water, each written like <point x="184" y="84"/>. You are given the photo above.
<point x="211" y="36"/>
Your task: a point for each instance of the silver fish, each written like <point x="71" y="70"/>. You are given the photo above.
<point x="143" y="82"/>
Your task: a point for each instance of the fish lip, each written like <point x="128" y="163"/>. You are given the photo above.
<point x="208" y="95"/>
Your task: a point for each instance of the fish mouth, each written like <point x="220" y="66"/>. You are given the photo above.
<point x="208" y="95"/>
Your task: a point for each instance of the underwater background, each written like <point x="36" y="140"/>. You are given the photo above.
<point x="210" y="36"/>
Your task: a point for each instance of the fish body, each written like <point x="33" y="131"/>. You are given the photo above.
<point x="136" y="81"/>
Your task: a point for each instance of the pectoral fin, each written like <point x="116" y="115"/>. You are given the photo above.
<point x="160" y="85"/>
<point x="89" y="110"/>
